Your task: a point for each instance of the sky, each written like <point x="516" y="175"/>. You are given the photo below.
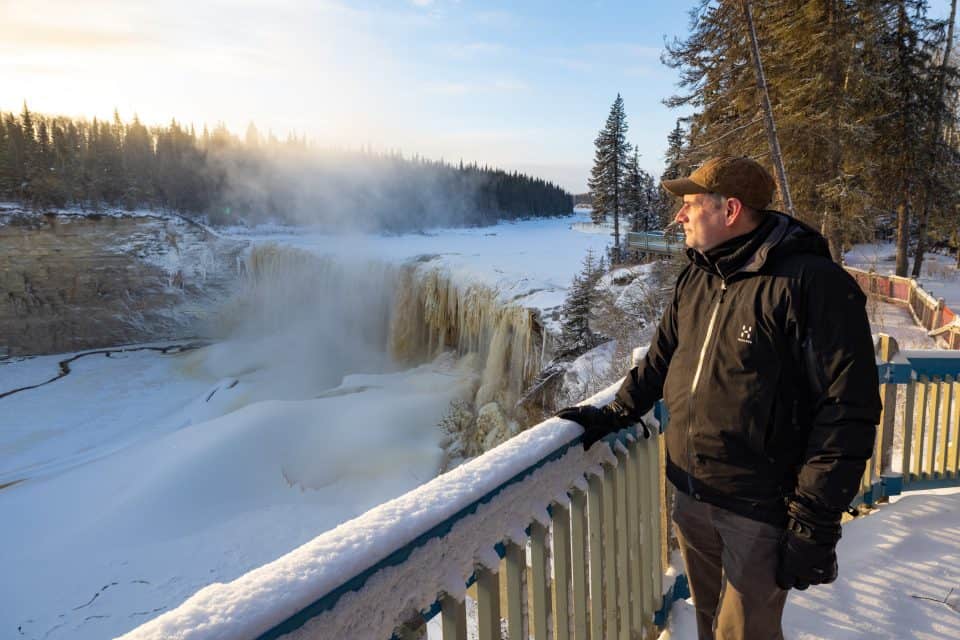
<point x="521" y="85"/>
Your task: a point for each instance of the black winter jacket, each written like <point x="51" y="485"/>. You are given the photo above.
<point x="765" y="362"/>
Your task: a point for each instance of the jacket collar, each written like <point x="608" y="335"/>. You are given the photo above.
<point x="746" y="253"/>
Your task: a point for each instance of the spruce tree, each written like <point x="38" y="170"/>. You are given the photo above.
<point x="576" y="335"/>
<point x="609" y="169"/>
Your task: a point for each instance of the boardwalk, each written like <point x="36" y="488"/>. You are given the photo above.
<point x="655" y="242"/>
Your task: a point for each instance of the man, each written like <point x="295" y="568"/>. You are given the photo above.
<point x="765" y="362"/>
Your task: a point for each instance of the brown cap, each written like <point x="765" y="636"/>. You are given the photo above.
<point x="736" y="177"/>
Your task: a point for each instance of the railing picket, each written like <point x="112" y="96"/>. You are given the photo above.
<point x="561" y="572"/>
<point x="538" y="571"/>
<point x="647" y="514"/>
<point x="578" y="529"/>
<point x="943" y="397"/>
<point x="929" y="450"/>
<point x="634" y="546"/>
<point x="906" y="468"/>
<point x="953" y="419"/>
<point x="595" y="532"/>
<point x="453" y="618"/>
<point x="888" y="395"/>
<point x="920" y="426"/>
<point x="609" y="555"/>
<point x="658" y="527"/>
<point x="651" y="538"/>
<point x="622" y="565"/>
<point x="488" y="605"/>
<point x="516" y="565"/>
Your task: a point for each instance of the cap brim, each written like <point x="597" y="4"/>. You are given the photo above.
<point x="683" y="187"/>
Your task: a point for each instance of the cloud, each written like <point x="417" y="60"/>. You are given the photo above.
<point x="422" y="3"/>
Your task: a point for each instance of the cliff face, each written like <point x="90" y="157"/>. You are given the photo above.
<point x="73" y="282"/>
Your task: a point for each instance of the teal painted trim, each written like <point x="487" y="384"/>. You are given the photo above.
<point x="933" y="364"/>
<point x="895" y="373"/>
<point x="679" y="590"/>
<point x="930" y="483"/>
<point x="328" y="601"/>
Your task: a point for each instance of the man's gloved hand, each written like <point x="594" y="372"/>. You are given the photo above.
<point x="808" y="547"/>
<point x="598" y="422"/>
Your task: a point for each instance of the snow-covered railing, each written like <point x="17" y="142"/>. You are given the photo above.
<point x="537" y="533"/>
<point x="919" y="432"/>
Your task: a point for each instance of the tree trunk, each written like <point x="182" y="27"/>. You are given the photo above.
<point x="903" y="236"/>
<point x="769" y="123"/>
<point x="935" y="145"/>
<point x="831" y="231"/>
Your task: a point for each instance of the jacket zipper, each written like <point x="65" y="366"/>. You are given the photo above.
<point x="706" y="340"/>
<point x="696" y="379"/>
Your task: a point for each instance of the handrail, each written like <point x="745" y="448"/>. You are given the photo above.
<point x="310" y="581"/>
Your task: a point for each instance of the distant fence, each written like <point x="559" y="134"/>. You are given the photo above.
<point x="928" y="312"/>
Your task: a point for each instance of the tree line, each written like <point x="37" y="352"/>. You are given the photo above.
<point x="52" y="161"/>
<point x="864" y="94"/>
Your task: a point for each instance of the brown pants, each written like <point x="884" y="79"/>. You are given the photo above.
<point x="731" y="562"/>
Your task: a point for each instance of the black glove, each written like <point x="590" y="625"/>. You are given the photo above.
<point x="808" y="547"/>
<point x="598" y="422"/>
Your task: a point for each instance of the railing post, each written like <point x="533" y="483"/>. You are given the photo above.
<point x="888" y="394"/>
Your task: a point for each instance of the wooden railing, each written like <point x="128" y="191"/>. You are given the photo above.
<point x="655" y="242"/>
<point x="928" y="312"/>
<point x="917" y="440"/>
<point x="540" y="537"/>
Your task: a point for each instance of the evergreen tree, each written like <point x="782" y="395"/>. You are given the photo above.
<point x="576" y="336"/>
<point x="609" y="169"/>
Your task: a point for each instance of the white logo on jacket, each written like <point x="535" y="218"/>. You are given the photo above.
<point x="746" y="334"/>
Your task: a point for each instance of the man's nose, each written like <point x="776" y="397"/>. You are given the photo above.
<point x="681" y="216"/>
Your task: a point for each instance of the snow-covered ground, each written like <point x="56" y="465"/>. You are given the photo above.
<point x="141" y="477"/>
<point x="899" y="578"/>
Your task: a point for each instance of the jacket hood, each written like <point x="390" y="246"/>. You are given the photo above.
<point x="778" y="235"/>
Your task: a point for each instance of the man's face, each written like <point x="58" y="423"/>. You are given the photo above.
<point x="703" y="220"/>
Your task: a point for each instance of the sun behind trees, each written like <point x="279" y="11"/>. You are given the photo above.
<point x="865" y="105"/>
<point x="48" y="161"/>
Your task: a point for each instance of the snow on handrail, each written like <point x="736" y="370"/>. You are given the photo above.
<point x="355" y="565"/>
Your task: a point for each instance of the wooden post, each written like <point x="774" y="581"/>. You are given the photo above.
<point x="888" y="394"/>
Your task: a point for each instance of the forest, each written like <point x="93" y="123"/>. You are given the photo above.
<point x="48" y="162"/>
<point x="864" y="97"/>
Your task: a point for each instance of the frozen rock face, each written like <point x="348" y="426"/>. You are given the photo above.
<point x="79" y="282"/>
<point x="492" y="426"/>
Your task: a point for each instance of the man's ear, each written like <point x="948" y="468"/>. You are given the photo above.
<point x="733" y="212"/>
